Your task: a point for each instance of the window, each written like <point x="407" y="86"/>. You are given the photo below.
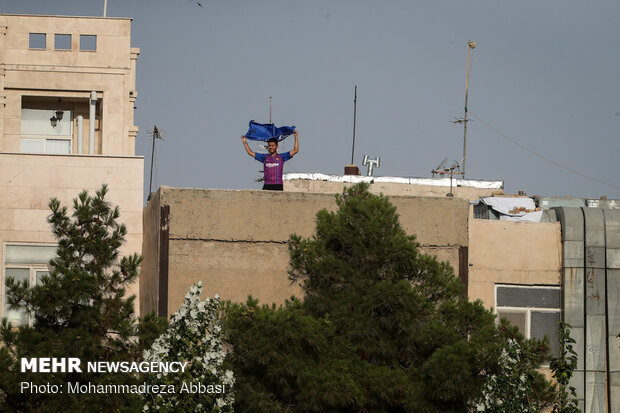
<point x="535" y="310"/>
<point x="24" y="263"/>
<point x="62" y="42"/>
<point x="37" y="41"/>
<point x="50" y="146"/>
<point x="38" y="135"/>
<point x="88" y="42"/>
<point x="483" y="211"/>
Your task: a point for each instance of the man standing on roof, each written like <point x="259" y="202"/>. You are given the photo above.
<point x="273" y="162"/>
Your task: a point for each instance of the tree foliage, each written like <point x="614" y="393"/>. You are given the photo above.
<point x="193" y="336"/>
<point x="563" y="368"/>
<point x="80" y="310"/>
<point x="382" y="327"/>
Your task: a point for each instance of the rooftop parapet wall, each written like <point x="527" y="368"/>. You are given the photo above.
<point x="392" y="186"/>
<point x="235" y="241"/>
<point x="263" y="216"/>
<point x="113" y="41"/>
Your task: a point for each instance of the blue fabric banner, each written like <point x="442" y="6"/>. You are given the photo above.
<point x="265" y="131"/>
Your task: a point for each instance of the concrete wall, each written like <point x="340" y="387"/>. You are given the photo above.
<point x="71" y="75"/>
<point x="391" y="188"/>
<point x="28" y="182"/>
<point x="235" y="241"/>
<point x="149" y="286"/>
<point x="506" y="252"/>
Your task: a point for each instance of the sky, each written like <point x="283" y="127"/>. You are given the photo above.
<point x="544" y="87"/>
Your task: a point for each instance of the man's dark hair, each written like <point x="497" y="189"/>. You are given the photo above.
<point x="274" y="140"/>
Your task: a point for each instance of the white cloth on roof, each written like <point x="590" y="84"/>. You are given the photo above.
<point x="504" y="205"/>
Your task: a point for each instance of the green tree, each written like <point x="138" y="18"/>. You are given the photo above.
<point x="81" y="310"/>
<point x="563" y="368"/>
<point x="382" y="327"/>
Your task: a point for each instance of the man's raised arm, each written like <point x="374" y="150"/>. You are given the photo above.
<point x="296" y="147"/>
<point x="247" y="148"/>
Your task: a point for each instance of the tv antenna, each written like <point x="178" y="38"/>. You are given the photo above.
<point x="440" y="167"/>
<point x="154" y="134"/>
<point x="354" y="121"/>
<point x="470" y="45"/>
<point x="444" y="169"/>
<point x="371" y="163"/>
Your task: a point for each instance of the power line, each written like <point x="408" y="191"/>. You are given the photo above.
<point x="542" y="156"/>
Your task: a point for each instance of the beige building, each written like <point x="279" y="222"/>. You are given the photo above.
<point x="235" y="242"/>
<point x="534" y="267"/>
<point x="67" y="92"/>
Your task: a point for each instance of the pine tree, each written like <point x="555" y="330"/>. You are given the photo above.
<point x="81" y="310"/>
<point x="382" y="327"/>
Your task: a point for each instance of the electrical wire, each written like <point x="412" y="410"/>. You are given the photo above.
<point x="541" y="156"/>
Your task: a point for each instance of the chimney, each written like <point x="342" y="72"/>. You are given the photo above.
<point x="351" y="169"/>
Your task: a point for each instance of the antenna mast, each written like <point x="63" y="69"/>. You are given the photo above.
<point x="470" y="45"/>
<point x="155" y="134"/>
<point x="354" y="120"/>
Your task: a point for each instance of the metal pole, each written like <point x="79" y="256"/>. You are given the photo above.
<point x="269" y="109"/>
<point x="155" y="136"/>
<point x="354" y="121"/>
<point x="470" y="45"/>
<point x="105" y="8"/>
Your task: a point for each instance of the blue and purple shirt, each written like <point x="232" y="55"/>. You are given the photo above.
<point x="273" y="166"/>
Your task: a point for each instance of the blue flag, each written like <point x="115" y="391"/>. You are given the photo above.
<point x="265" y="131"/>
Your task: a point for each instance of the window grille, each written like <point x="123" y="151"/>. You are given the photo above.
<point x="534" y="310"/>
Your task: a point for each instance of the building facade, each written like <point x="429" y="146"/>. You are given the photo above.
<point x="532" y="273"/>
<point x="67" y="92"/>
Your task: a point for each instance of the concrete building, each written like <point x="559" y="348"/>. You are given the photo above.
<point x="235" y="242"/>
<point x="67" y="92"/>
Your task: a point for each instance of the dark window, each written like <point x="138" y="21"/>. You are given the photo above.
<point x="481" y="211"/>
<point x="535" y="310"/>
<point x="37" y="41"/>
<point x="528" y="297"/>
<point x="62" y="41"/>
<point x="88" y="42"/>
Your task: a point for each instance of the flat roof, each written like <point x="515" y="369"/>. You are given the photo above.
<point x="471" y="183"/>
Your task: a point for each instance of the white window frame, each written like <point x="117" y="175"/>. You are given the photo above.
<point x="44" y="141"/>
<point x="34" y="268"/>
<point x="526" y="310"/>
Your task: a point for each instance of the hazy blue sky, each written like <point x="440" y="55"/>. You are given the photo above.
<point x="544" y="73"/>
